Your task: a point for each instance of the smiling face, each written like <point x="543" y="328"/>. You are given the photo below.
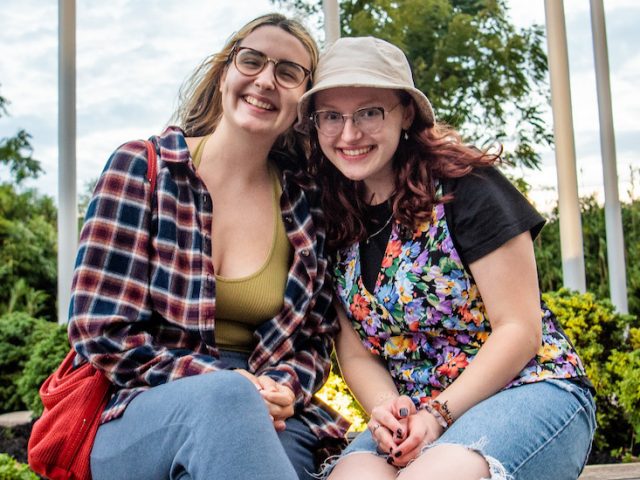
<point x="361" y="156"/>
<point x="257" y="104"/>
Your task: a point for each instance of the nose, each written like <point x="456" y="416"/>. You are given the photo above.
<point x="266" y="79"/>
<point x="350" y="131"/>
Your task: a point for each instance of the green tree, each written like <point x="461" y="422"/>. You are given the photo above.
<point x="548" y="255"/>
<point x="16" y="152"/>
<point x="483" y="76"/>
<point x="28" y="243"/>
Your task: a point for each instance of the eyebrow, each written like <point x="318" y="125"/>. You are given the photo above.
<point x="278" y="59"/>
<point x="368" y="104"/>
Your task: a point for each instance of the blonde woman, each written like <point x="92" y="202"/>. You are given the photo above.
<point x="206" y="305"/>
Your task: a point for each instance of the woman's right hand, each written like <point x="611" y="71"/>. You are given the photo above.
<point x="422" y="429"/>
<point x="389" y="422"/>
<point x="278" y="398"/>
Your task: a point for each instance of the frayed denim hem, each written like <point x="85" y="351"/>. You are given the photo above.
<point x="496" y="469"/>
<point x="329" y="464"/>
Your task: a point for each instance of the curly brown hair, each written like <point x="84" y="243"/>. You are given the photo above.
<point x="428" y="153"/>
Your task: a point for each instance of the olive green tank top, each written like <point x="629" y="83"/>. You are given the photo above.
<point x="242" y="304"/>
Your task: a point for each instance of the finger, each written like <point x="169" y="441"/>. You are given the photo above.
<point x="249" y="376"/>
<point x="383" y="437"/>
<point x="267" y="383"/>
<point x="419" y="432"/>
<point x="281" y="399"/>
<point x="404" y="406"/>
<point x="386" y="418"/>
<point x="404" y="458"/>
<point x="279" y="425"/>
<point x="280" y="413"/>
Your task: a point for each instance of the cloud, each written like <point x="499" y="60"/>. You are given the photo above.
<point x="132" y="57"/>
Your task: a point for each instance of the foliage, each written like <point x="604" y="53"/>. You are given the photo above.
<point x="482" y="75"/>
<point x="336" y="394"/>
<point x="548" y="255"/>
<point x="16" y="152"/>
<point x="19" y="334"/>
<point x="28" y="249"/>
<point x="11" y="469"/>
<point x="612" y="361"/>
<point x="46" y="357"/>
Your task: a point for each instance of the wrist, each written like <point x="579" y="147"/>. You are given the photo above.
<point x="440" y="411"/>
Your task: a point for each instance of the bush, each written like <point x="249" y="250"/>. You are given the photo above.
<point x="608" y="344"/>
<point x="336" y="394"/>
<point x="46" y="357"/>
<point x="19" y="335"/>
<point x="11" y="469"/>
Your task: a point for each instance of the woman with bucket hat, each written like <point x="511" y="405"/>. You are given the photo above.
<point x="445" y="341"/>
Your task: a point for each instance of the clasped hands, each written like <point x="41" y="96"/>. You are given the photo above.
<point x="279" y="398"/>
<point x="401" y="431"/>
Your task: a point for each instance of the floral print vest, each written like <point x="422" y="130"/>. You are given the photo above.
<point x="426" y="318"/>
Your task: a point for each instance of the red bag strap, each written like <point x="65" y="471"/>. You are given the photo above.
<point x="152" y="165"/>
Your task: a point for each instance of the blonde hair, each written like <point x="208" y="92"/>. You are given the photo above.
<point x="200" y="99"/>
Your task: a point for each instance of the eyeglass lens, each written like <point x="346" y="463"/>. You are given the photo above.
<point x="251" y="62"/>
<point x="369" y="120"/>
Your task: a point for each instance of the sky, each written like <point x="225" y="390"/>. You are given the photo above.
<point x="133" y="56"/>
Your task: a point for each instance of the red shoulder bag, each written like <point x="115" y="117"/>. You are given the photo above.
<point x="74" y="399"/>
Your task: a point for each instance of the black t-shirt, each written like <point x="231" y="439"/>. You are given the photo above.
<point x="485" y="213"/>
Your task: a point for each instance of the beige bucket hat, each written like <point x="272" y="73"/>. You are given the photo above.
<point x="363" y="62"/>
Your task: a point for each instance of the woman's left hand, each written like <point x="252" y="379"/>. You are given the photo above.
<point x="422" y="429"/>
<point x="279" y="398"/>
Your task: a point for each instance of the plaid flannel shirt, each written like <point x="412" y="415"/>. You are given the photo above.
<point x="143" y="295"/>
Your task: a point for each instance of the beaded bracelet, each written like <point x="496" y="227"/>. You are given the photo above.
<point x="440" y="412"/>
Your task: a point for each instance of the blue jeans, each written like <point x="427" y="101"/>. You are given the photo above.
<point x="210" y="426"/>
<point x="534" y="431"/>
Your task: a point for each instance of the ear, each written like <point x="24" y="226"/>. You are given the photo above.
<point x="408" y="115"/>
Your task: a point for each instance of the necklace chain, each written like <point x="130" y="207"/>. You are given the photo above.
<point x="380" y="230"/>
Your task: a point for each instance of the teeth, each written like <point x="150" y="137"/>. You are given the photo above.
<point x="258" y="103"/>
<point x="359" y="151"/>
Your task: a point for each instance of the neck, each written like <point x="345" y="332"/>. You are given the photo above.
<point x="379" y="193"/>
<point x="235" y="155"/>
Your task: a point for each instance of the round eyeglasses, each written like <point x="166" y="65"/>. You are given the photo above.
<point x="369" y="120"/>
<point x="251" y="62"/>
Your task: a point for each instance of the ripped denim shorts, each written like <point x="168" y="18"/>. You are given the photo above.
<point x="531" y="432"/>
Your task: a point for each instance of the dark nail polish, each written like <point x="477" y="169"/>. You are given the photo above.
<point x="399" y="433"/>
<point x="390" y="460"/>
<point x="397" y="454"/>
<point x="404" y="412"/>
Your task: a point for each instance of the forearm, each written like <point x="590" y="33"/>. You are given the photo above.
<point x="507" y="350"/>
<point x="369" y="381"/>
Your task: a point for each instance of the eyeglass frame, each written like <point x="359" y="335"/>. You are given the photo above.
<point x="233" y="55"/>
<point x="344" y="116"/>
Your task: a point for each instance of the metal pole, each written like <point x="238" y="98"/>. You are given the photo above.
<point x="67" y="203"/>
<point x="331" y="21"/>
<point x="612" y="209"/>
<point x="568" y="203"/>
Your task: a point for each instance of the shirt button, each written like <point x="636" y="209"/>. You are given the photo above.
<point x="305" y="252"/>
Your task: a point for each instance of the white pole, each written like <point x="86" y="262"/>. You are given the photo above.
<point x="67" y="203"/>
<point x="613" y="215"/>
<point x="331" y="21"/>
<point x="568" y="204"/>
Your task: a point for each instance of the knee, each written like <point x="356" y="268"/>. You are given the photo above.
<point x="226" y="390"/>
<point x="440" y="459"/>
